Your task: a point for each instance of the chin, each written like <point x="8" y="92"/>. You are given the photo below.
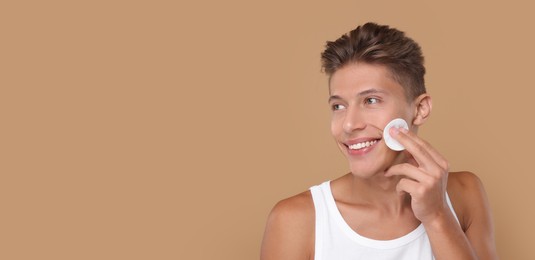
<point x="371" y="166"/>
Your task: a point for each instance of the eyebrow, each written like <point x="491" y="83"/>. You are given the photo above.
<point x="362" y="93"/>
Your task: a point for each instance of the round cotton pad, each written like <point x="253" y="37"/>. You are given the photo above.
<point x="391" y="142"/>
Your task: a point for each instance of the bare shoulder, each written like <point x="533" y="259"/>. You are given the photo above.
<point x="464" y="186"/>
<point x="467" y="194"/>
<point x="289" y="230"/>
<point x="298" y="204"/>
<point x="463" y="180"/>
<point x="296" y="212"/>
<point x="470" y="202"/>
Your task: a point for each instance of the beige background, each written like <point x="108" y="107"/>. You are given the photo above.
<point x="165" y="130"/>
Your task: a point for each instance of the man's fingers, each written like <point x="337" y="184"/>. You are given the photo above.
<point x="437" y="157"/>
<point x="420" y="152"/>
<point x="407" y="185"/>
<point x="409" y="171"/>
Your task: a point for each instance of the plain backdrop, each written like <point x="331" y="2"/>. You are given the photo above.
<point x="169" y="129"/>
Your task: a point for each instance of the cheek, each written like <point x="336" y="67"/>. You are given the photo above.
<point x="402" y="109"/>
<point x="336" y="124"/>
<point x="393" y="113"/>
<point x="334" y="127"/>
<point x="380" y="119"/>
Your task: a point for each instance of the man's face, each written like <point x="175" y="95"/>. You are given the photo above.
<point x="363" y="99"/>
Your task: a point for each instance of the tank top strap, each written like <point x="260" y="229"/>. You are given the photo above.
<point x="322" y="219"/>
<point x="451" y="208"/>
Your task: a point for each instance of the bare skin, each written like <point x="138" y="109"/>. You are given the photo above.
<point x="387" y="194"/>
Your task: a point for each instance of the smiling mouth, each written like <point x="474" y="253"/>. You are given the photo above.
<point x="362" y="145"/>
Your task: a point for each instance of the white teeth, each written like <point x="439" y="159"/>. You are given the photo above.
<point x="362" y="145"/>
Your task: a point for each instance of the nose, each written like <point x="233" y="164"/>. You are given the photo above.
<point x="353" y="121"/>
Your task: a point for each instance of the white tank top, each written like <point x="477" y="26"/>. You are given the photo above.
<point x="335" y="240"/>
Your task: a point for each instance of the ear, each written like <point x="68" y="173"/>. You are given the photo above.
<point x="422" y="109"/>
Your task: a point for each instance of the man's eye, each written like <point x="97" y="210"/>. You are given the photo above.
<point x="372" y="101"/>
<point x="337" y="107"/>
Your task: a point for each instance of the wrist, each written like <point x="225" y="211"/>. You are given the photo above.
<point x="439" y="221"/>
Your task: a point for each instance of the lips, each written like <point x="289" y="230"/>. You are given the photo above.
<point x="358" y="146"/>
<point x="361" y="145"/>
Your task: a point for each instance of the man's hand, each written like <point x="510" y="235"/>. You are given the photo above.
<point x="425" y="179"/>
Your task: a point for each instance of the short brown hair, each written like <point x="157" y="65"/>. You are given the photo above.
<point x="379" y="44"/>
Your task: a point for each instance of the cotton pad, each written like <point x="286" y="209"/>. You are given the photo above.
<point x="391" y="142"/>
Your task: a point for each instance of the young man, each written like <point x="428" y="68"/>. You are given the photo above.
<point x="393" y="204"/>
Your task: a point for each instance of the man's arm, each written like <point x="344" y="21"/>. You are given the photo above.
<point x="425" y="179"/>
<point x="290" y="230"/>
